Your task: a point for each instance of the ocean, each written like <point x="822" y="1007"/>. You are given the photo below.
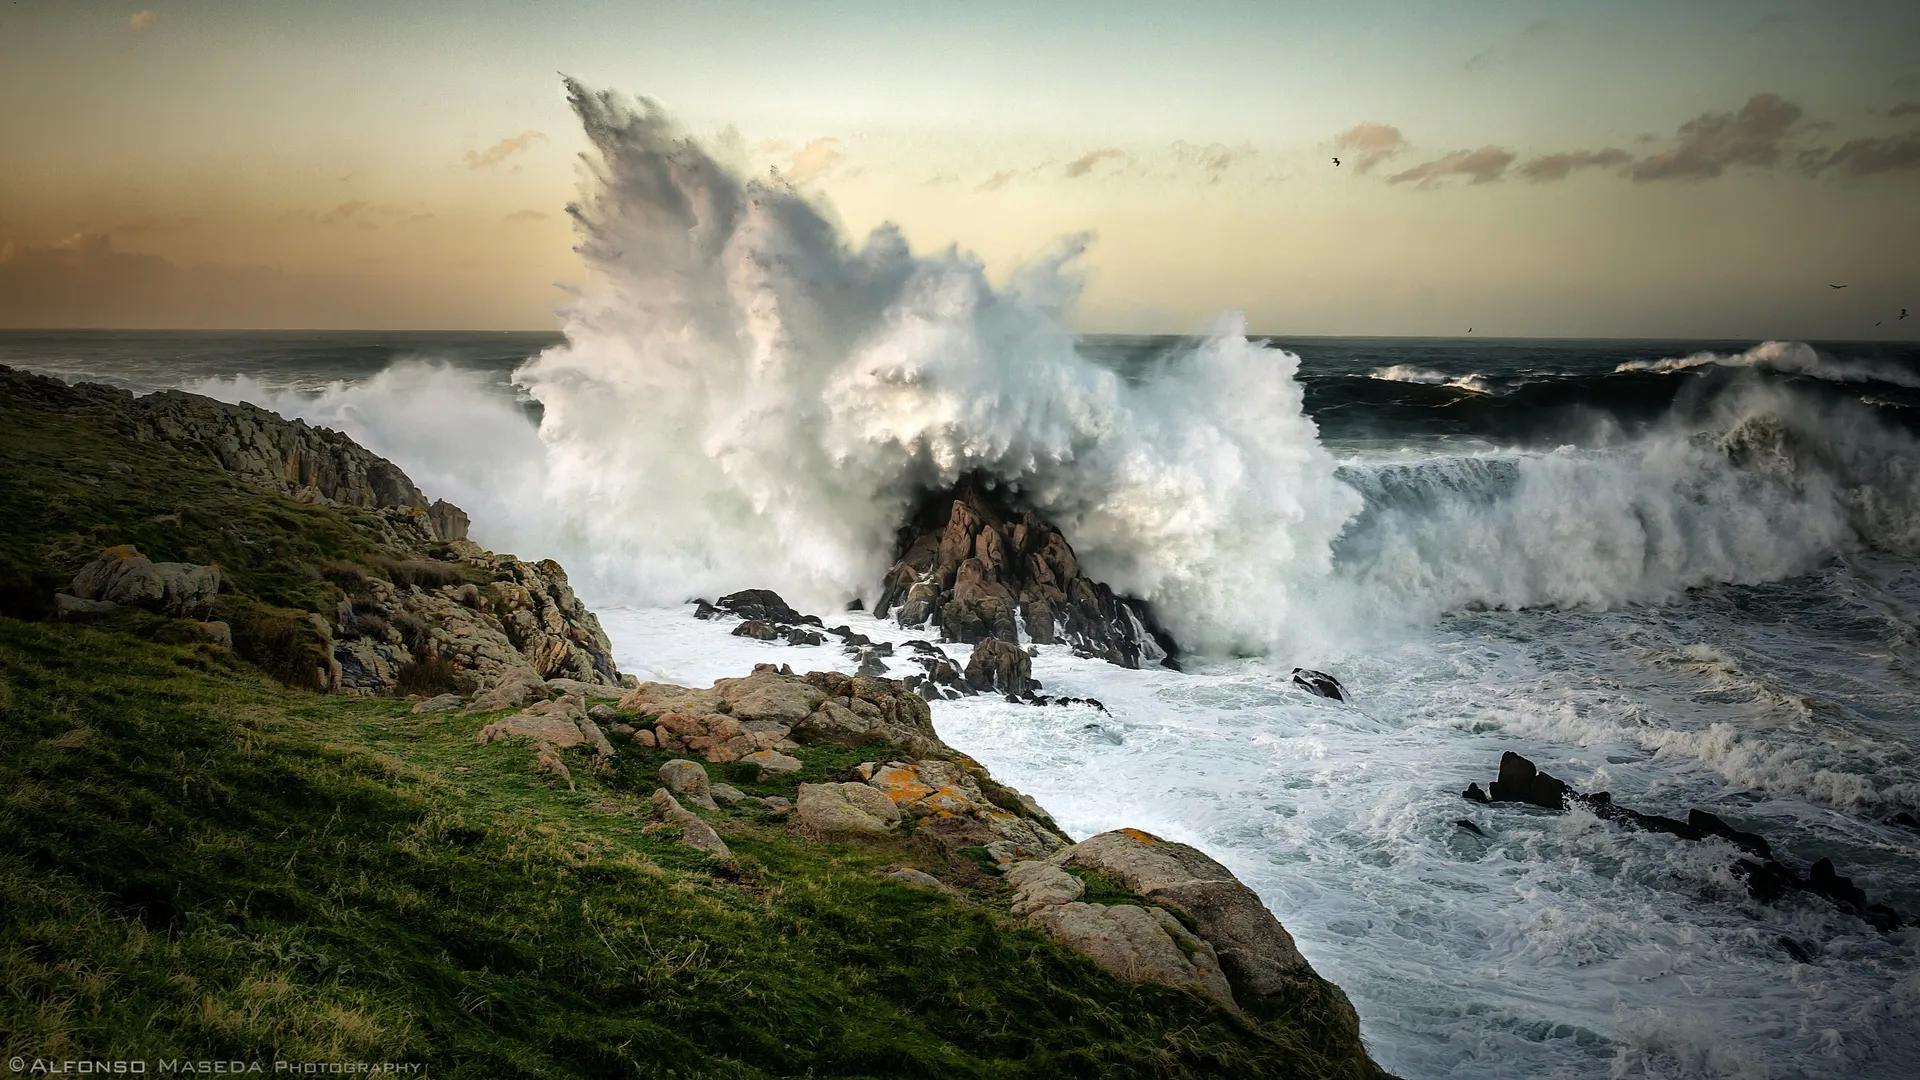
<point x="1687" y="573"/>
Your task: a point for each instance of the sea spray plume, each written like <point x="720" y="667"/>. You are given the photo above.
<point x="745" y="398"/>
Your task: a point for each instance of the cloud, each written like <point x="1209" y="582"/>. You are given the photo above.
<point x="997" y="180"/>
<point x="1905" y="108"/>
<point x="1864" y="157"/>
<point x="140" y="20"/>
<point x="1558" y="166"/>
<point x="502" y="150"/>
<point x="1085" y="163"/>
<point x="1214" y="159"/>
<point x="1710" y="143"/>
<point x="1368" y="144"/>
<point x="526" y="215"/>
<point x="158" y="224"/>
<point x="814" y="160"/>
<point x="1482" y="166"/>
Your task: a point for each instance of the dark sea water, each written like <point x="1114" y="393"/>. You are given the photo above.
<point x="1685" y="572"/>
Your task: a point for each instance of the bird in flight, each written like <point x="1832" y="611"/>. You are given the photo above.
<point x="1336" y="163"/>
<point x="1830" y="285"/>
<point x="1903" y="313"/>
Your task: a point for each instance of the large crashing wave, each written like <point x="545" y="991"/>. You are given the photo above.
<point x="747" y="399"/>
<point x="1788" y="357"/>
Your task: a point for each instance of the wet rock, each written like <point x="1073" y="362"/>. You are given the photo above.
<point x="1319" y="683"/>
<point x="758" y="630"/>
<point x="999" y="667"/>
<point x="976" y="567"/>
<point x="1803" y="952"/>
<point x="763" y="605"/>
<point x="797" y="636"/>
<point x="1712" y="825"/>
<point x="1474" y="794"/>
<point x="704" y="610"/>
<point x="1469" y="826"/>
<point x="1520" y="781"/>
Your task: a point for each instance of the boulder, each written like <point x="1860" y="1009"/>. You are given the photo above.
<point x="919" y="879"/>
<point x="757" y="630"/>
<point x="1138" y="944"/>
<point x="694" y="832"/>
<point x="440" y="703"/>
<point x="449" y="521"/>
<point x="1255" y="951"/>
<point x="69" y="607"/>
<point x="845" y="810"/>
<point x="121" y="575"/>
<point x="555" y="723"/>
<point x="999" y="667"/>
<point x="763" y="605"/>
<point x="688" y="779"/>
<point x="772" y="763"/>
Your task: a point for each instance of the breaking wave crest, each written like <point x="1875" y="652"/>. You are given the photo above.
<point x="1789" y="357"/>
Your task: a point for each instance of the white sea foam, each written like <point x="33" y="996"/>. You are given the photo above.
<point x="1793" y="357"/>
<point x="1409" y="373"/>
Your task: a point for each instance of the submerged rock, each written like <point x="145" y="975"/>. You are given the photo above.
<point x="1319" y="683"/>
<point x="1766" y="878"/>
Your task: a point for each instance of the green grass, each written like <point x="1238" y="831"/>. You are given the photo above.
<point x="196" y="861"/>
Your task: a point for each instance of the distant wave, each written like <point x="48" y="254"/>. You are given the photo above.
<point x="1791" y="357"/>
<point x="1408" y="373"/>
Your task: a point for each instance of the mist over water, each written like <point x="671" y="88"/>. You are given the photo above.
<point x="1688" y="573"/>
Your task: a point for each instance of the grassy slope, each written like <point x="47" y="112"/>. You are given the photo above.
<point x="196" y="860"/>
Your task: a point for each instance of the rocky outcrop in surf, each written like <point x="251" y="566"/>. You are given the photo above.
<point x="974" y="566"/>
<point x="1766" y="878"/>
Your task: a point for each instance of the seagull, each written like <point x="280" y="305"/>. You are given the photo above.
<point x="1903" y="313"/>
<point x="1336" y="163"/>
<point x="1833" y="286"/>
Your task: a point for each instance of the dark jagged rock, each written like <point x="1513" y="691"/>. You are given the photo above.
<point x="764" y="605"/>
<point x="1802" y="952"/>
<point x="1713" y="825"/>
<point x="975" y="566"/>
<point x="1469" y="826"/>
<point x="757" y="629"/>
<point x="1002" y="667"/>
<point x="797" y="636"/>
<point x="1319" y="683"/>
<point x="1520" y="781"/>
<point x="704" y="610"/>
<point x="1766" y="878"/>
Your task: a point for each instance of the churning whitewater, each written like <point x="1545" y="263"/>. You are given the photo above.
<point x="1685" y="573"/>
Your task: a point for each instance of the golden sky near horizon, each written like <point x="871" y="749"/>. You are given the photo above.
<point x="1616" y="170"/>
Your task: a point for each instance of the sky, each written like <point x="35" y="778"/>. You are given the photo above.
<point x="1630" y="169"/>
